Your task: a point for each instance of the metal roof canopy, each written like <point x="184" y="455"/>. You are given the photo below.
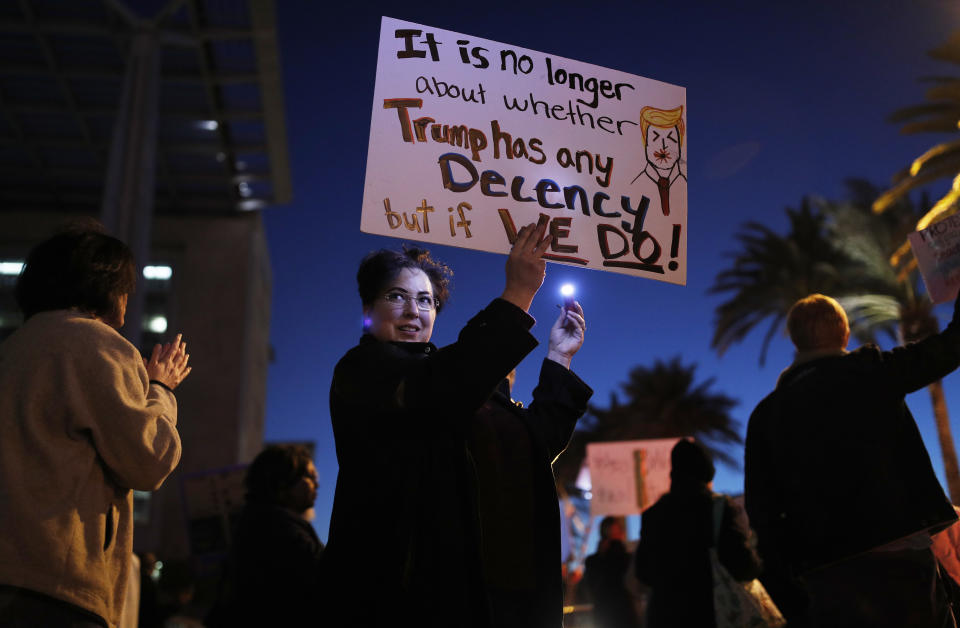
<point x="221" y="137"/>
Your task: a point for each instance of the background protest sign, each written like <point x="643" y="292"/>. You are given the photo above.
<point x="470" y="139"/>
<point x="937" y="249"/>
<point x="628" y="477"/>
<point x="212" y="500"/>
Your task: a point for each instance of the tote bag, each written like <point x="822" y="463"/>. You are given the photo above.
<point x="738" y="604"/>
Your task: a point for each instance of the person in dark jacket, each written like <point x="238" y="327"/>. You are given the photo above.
<point x="513" y="448"/>
<point x="603" y="576"/>
<point x="676" y="534"/>
<point x="838" y="484"/>
<point x="272" y="574"/>
<point x="404" y="547"/>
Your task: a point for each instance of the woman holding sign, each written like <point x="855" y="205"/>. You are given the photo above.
<point x="405" y="540"/>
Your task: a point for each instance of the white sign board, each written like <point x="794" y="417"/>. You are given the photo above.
<point x="937" y="249"/>
<point x="471" y="139"/>
<point x="627" y="477"/>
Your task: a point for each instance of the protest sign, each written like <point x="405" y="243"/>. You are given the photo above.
<point x="937" y="249"/>
<point x="628" y="477"/>
<point x="212" y="501"/>
<point x="471" y="139"/>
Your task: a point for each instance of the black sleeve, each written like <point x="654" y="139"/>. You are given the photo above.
<point x="760" y="490"/>
<point x="918" y="364"/>
<point x="645" y="558"/>
<point x="378" y="380"/>
<point x="559" y="400"/>
<point x="734" y="547"/>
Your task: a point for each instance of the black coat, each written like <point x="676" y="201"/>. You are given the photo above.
<point x="513" y="448"/>
<point x="404" y="543"/>
<point x="835" y="465"/>
<point x="673" y="556"/>
<point x="272" y="574"/>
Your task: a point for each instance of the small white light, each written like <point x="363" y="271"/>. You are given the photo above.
<point x="157" y="272"/>
<point x="587" y="495"/>
<point x="567" y="290"/>
<point x="157" y="324"/>
<point x="244" y="189"/>
<point x="251" y="204"/>
<point x="241" y="165"/>
<point x="208" y="125"/>
<point x="11" y="268"/>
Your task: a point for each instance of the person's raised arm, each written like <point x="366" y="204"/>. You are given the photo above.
<point x="525" y="265"/>
<point x="917" y="364"/>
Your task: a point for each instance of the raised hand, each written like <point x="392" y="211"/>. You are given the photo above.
<point x="525" y="265"/>
<point x="168" y="363"/>
<point x="566" y="335"/>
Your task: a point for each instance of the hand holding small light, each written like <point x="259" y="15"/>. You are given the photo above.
<point x="567" y="333"/>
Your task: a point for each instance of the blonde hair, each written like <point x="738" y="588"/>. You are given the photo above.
<point x="662" y="119"/>
<point x="818" y="322"/>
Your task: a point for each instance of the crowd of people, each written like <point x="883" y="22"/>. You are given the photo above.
<point x="833" y="533"/>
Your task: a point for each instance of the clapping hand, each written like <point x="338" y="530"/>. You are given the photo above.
<point x="168" y="363"/>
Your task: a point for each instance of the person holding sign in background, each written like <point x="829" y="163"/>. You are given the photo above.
<point x="838" y="483"/>
<point x="405" y="543"/>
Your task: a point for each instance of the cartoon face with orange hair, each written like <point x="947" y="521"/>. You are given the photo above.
<point x="662" y="131"/>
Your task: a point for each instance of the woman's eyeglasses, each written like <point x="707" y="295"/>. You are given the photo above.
<point x="397" y="300"/>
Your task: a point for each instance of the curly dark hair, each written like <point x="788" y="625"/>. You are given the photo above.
<point x="380" y="267"/>
<point x="276" y="468"/>
<point x="81" y="267"/>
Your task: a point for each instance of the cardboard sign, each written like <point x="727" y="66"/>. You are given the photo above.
<point x="630" y="476"/>
<point x="937" y="249"/>
<point x="212" y="500"/>
<point x="471" y="139"/>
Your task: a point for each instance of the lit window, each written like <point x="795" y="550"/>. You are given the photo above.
<point x="11" y="268"/>
<point x="157" y="272"/>
<point x="157" y="324"/>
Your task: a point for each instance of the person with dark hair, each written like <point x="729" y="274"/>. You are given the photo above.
<point x="272" y="575"/>
<point x="85" y="419"/>
<point x="676" y="534"/>
<point x="603" y="577"/>
<point x="838" y="483"/>
<point x="405" y="543"/>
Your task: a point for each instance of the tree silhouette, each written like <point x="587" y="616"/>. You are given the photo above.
<point x="771" y="272"/>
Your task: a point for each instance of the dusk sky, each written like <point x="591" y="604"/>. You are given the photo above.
<point x="784" y="100"/>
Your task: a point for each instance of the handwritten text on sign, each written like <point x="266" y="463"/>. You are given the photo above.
<point x="471" y="139"/>
<point x="627" y="477"/>
<point x="937" y="249"/>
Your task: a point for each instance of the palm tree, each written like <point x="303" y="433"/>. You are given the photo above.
<point x="940" y="115"/>
<point x="841" y="249"/>
<point x="771" y="272"/>
<point x="660" y="401"/>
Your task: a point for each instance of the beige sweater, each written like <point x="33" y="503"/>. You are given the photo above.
<point x="80" y="425"/>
